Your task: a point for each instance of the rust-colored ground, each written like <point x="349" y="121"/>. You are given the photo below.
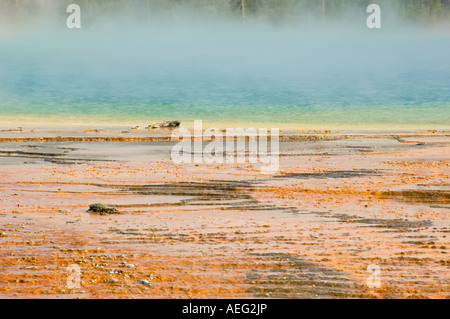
<point x="226" y="231"/>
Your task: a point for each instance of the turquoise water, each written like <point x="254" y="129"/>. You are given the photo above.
<point x="227" y="75"/>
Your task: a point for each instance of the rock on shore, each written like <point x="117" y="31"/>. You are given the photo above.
<point x="165" y="124"/>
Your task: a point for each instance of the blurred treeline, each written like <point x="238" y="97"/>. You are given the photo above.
<point x="271" y="10"/>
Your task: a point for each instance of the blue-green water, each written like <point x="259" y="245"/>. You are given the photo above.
<point x="227" y="75"/>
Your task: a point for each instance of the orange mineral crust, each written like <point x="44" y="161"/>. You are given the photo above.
<point x="335" y="210"/>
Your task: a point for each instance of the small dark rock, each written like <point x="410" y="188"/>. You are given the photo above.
<point x="102" y="209"/>
<point x="165" y="124"/>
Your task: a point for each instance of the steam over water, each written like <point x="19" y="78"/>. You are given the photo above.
<point x="227" y="72"/>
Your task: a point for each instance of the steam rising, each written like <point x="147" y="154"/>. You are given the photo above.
<point x="141" y="60"/>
